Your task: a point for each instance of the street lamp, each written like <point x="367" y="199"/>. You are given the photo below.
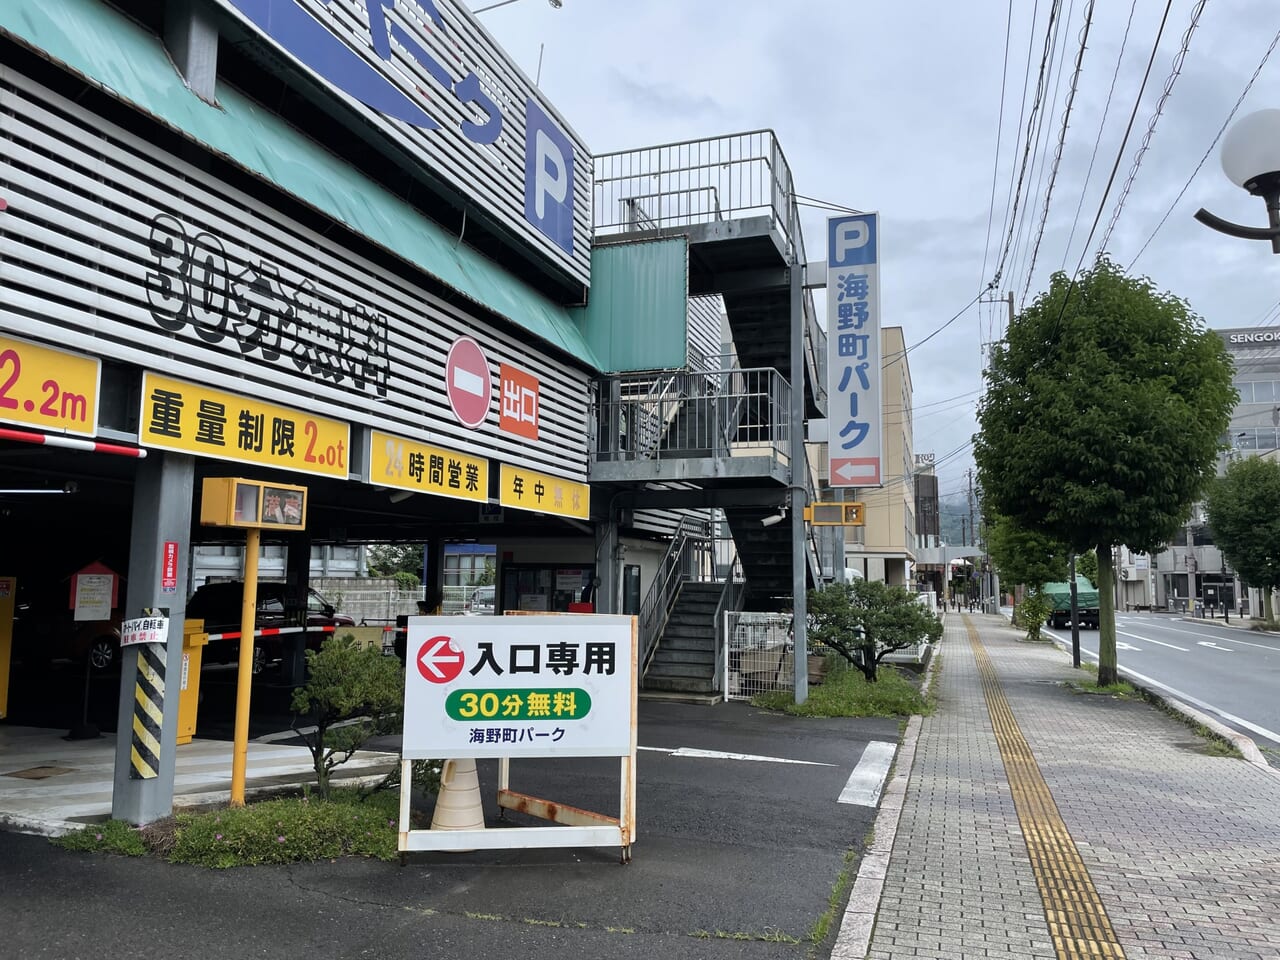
<point x="555" y="4"/>
<point x="1251" y="159"/>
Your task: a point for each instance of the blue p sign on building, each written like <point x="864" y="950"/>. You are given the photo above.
<point x="548" y="177"/>
<point x="852" y="240"/>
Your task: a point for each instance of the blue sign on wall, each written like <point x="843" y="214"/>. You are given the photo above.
<point x="420" y="62"/>
<point x="548" y="177"/>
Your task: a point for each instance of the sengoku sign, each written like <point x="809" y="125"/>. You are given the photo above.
<point x="539" y="686"/>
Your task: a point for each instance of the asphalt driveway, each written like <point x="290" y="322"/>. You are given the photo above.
<point x="740" y="839"/>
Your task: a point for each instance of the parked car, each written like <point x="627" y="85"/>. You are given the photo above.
<point x="45" y="629"/>
<point x="480" y="602"/>
<point x="218" y="605"/>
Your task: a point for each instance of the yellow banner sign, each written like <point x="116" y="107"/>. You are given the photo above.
<point x="530" y="490"/>
<point x="196" y="419"/>
<point x="410" y="465"/>
<point x="49" y="389"/>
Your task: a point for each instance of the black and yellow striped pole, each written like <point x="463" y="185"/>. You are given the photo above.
<point x="148" y="712"/>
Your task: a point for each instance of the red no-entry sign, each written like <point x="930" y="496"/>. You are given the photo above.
<point x="467" y="382"/>
<point x="439" y="660"/>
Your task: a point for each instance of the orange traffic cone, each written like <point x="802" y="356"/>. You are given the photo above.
<point x="458" y="803"/>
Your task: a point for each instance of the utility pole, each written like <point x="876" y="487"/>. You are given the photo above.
<point x="973" y="530"/>
<point x="1007" y="300"/>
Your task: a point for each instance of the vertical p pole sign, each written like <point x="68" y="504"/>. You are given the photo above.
<point x="522" y="687"/>
<point x="855" y="445"/>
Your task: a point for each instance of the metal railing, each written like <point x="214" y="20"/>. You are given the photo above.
<point x="688" y="555"/>
<point x="673" y="186"/>
<point x="713" y="413"/>
<point x="731" y="599"/>
<point x="677" y="185"/>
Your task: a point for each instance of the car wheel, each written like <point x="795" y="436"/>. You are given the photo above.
<point x="259" y="659"/>
<point x="103" y="655"/>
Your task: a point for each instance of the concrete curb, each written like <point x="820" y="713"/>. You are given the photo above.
<point x="853" y="939"/>
<point x="1238" y="740"/>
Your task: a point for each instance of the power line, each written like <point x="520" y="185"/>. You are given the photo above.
<point x="995" y="164"/>
<point x="1174" y="73"/>
<point x="1102" y="204"/>
<point x="1036" y="102"/>
<point x="1106" y="109"/>
<point x="1062" y="139"/>
<point x="1044" y="125"/>
<point x="1221" y="130"/>
<point x="919" y="343"/>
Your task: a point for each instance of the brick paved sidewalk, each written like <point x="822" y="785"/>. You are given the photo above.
<point x="1181" y="847"/>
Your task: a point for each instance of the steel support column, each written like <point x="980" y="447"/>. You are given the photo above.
<point x="799" y="466"/>
<point x="162" y="496"/>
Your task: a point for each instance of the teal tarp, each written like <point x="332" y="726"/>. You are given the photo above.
<point x="131" y="64"/>
<point x="637" y="317"/>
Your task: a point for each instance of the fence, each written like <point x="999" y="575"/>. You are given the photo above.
<point x="370" y="601"/>
<point x="759" y="654"/>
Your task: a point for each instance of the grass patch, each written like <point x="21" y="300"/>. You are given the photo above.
<point x="1120" y="689"/>
<point x="113" y="836"/>
<point x="284" y="830"/>
<point x="846" y="693"/>
<point x="1214" y="745"/>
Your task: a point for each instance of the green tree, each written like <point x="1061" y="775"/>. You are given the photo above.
<point x="1102" y="420"/>
<point x="345" y="682"/>
<point x="392" y="559"/>
<point x="1023" y="555"/>
<point x="1242" y="508"/>
<point x="1087" y="566"/>
<point x="866" y="620"/>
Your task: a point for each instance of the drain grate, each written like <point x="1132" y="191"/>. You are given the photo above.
<point x="39" y="773"/>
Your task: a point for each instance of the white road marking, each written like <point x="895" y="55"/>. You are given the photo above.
<point x="1213" y="646"/>
<point x="718" y="755"/>
<point x="868" y="776"/>
<point x="1121" y="645"/>
<point x="1149" y="640"/>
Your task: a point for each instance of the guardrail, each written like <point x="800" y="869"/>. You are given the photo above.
<point x="674" y="185"/>
<point x="668" y="414"/>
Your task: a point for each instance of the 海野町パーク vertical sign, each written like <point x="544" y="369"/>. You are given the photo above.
<point x="855" y="441"/>
<point x="434" y="81"/>
<point x="532" y="686"/>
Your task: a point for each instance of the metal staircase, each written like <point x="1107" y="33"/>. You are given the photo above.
<point x="719" y="438"/>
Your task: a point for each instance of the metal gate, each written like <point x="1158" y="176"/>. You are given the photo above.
<point x="759" y="654"/>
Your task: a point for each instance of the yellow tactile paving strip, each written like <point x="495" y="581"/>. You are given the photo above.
<point x="1077" y="920"/>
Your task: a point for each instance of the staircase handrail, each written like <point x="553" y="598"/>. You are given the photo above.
<point x="658" y="602"/>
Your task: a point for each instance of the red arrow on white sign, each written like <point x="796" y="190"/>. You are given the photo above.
<point x="439" y="660"/>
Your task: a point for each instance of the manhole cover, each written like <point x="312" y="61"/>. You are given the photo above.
<point x="39" y="773"/>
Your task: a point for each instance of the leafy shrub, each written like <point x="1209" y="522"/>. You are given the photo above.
<point x="1033" y="611"/>
<point x="345" y="681"/>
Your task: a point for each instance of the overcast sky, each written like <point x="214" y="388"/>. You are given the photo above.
<point x="894" y="106"/>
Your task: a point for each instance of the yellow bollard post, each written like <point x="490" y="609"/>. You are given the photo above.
<point x="244" y="684"/>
